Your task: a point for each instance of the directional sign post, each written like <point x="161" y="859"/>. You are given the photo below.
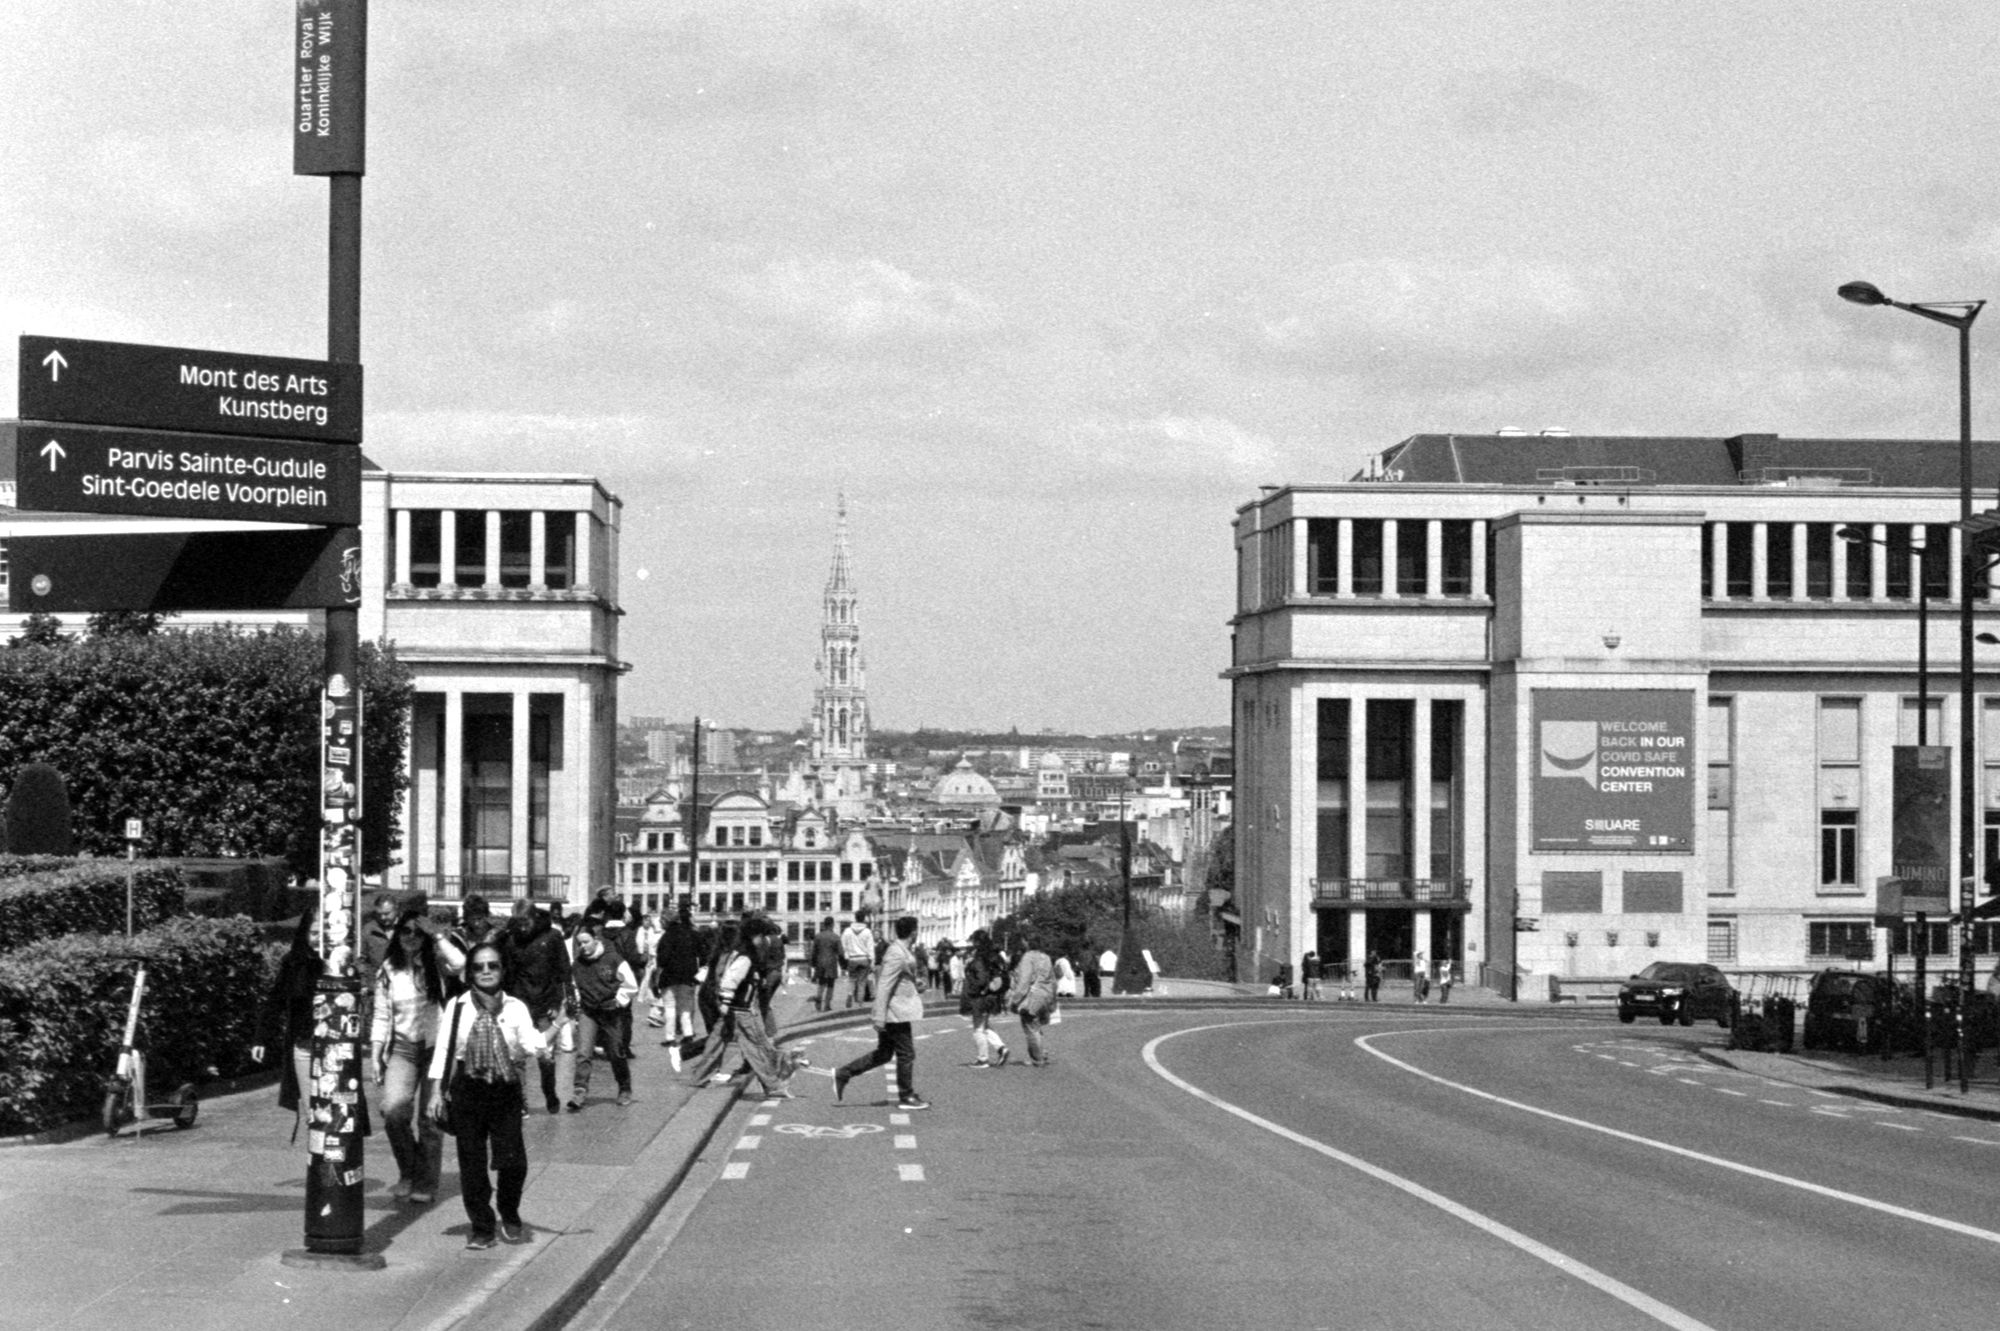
<point x="84" y="469"/>
<point x="177" y="388"/>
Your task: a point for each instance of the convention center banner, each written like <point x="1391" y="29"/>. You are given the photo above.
<point x="1921" y="826"/>
<point x="1613" y="770"/>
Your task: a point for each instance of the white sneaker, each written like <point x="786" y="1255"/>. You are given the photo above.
<point x="674" y="1054"/>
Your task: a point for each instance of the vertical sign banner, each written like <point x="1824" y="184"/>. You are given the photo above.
<point x="1613" y="769"/>
<point x="1920" y="847"/>
<point x="329" y="88"/>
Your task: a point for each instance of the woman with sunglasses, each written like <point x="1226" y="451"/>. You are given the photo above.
<point x="409" y="990"/>
<point x="488" y="1037"/>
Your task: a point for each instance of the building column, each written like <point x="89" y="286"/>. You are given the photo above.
<point x="451" y="855"/>
<point x="1840" y="549"/>
<point x="517" y="788"/>
<point x="492" y="579"/>
<point x="1300" y="546"/>
<point x="1343" y="562"/>
<point x="448" y="548"/>
<point x="1760" y="557"/>
<point x="581" y="557"/>
<point x="401" y="576"/>
<point x="1434" y="558"/>
<point x="1800" y="592"/>
<point x="1718" y="561"/>
<point x="1957" y="563"/>
<point x="1478" y="557"/>
<point x="538" y="551"/>
<point x="1420" y="939"/>
<point x="1357" y="947"/>
<point x="1878" y="562"/>
<point x="1390" y="534"/>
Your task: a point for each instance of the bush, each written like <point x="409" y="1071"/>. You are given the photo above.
<point x="83" y="896"/>
<point x="62" y="1014"/>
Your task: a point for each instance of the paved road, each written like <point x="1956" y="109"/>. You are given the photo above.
<point x="1343" y="1168"/>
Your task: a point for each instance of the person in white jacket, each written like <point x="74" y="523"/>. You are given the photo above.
<point x="409" y="990"/>
<point x="487" y="1035"/>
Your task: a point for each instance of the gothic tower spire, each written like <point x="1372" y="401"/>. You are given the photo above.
<point x="840" y="702"/>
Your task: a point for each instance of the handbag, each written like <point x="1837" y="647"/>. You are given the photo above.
<point x="448" y="1082"/>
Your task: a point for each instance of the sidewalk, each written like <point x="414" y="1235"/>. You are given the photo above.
<point x="188" y="1229"/>
<point x="1898" y="1081"/>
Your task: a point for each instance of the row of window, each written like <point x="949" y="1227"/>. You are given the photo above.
<point x="1854" y="940"/>
<point x="467" y="566"/>
<point x="746" y="871"/>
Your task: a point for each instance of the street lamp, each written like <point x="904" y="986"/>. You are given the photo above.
<point x="1957" y="314"/>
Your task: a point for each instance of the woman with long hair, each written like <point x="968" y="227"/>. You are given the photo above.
<point x="737" y="987"/>
<point x="488" y="1036"/>
<point x="284" y="1023"/>
<point x="409" y="991"/>
<point x="983" y="996"/>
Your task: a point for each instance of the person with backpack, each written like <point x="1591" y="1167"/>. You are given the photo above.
<point x="734" y="974"/>
<point x="677" y="962"/>
<point x="898" y="1007"/>
<point x="857" y="949"/>
<point x="1032" y="993"/>
<point x="984" y="996"/>
<point x="825" y="961"/>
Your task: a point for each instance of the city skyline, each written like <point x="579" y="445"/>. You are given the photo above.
<point x="1047" y="293"/>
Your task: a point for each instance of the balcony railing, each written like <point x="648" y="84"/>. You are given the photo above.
<point x="493" y="887"/>
<point x="1392" y="891"/>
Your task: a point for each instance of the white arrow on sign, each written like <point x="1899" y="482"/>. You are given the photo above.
<point x="54" y="452"/>
<point x="54" y="360"/>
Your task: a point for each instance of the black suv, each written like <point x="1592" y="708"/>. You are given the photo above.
<point x="1677" y="990"/>
<point x="1848" y="1010"/>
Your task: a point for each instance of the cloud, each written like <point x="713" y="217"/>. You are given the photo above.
<point x="1208" y="447"/>
<point x="861" y="303"/>
<point x="1515" y="101"/>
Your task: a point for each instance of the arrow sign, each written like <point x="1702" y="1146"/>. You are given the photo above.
<point x="152" y="474"/>
<point x="176" y="388"/>
<point x="313" y="569"/>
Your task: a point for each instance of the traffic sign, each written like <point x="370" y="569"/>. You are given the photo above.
<point x="308" y="569"/>
<point x="83" y="469"/>
<point x="176" y="388"/>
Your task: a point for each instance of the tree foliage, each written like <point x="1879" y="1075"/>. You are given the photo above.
<point x="211" y="736"/>
<point x="39" y="630"/>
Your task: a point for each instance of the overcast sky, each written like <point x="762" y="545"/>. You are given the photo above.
<point x="1048" y="288"/>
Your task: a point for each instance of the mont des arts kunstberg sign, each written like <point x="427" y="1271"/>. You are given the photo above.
<point x="1613" y="769"/>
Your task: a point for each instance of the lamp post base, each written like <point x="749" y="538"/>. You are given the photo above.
<point x="307" y="1258"/>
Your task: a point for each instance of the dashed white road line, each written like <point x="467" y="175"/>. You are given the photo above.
<point x="910" y="1173"/>
<point x="736" y="1169"/>
<point x="906" y="1141"/>
<point x="749" y="1142"/>
<point x="1724" y="1090"/>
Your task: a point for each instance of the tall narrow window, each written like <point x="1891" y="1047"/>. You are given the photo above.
<point x="1860" y="566"/>
<point x="486" y="822"/>
<point x="1738" y="559"/>
<point x="1839" y="794"/>
<point x="1322" y="556"/>
<point x="1819" y="561"/>
<point x="515" y="570"/>
<point x="1413" y="558"/>
<point x="1389" y="772"/>
<point x="1898" y="550"/>
<point x="469" y="538"/>
<point x="1368" y="557"/>
<point x="1720" y="746"/>
<point x="1778" y="560"/>
<point x="1332" y="742"/>
<point x="424" y="539"/>
<point x="1446" y="726"/>
<point x="1457" y="571"/>
<point x="559" y="556"/>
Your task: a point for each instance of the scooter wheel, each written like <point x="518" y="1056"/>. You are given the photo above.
<point x="187" y="1105"/>
<point x="114" y="1115"/>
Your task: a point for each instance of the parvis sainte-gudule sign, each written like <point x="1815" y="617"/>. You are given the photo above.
<point x="84" y="469"/>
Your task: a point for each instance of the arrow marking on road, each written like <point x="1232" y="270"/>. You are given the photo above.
<point x="54" y="451"/>
<point x="54" y="360"/>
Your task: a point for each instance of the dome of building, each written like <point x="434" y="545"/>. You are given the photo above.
<point x="964" y="788"/>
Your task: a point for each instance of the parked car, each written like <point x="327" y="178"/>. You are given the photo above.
<point x="1848" y="1010"/>
<point x="1677" y="991"/>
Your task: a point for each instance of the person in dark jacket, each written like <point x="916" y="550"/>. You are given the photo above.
<point x="284" y="1023"/>
<point x="984" y="997"/>
<point x="676" y="962"/>
<point x="825" y="962"/>
<point x="604" y="988"/>
<point x="538" y="973"/>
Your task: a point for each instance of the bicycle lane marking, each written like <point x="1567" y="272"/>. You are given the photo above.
<point x="1641" y="1302"/>
<point x="1752" y="1171"/>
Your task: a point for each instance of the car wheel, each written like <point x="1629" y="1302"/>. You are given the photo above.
<point x="1667" y="1017"/>
<point x="1686" y="1015"/>
<point x="1627" y="1015"/>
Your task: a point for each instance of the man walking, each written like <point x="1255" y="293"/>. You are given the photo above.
<point x="1371" y="974"/>
<point x="825" y="959"/>
<point x="676" y="961"/>
<point x="899" y="1005"/>
<point x="857" y="949"/>
<point x="604" y="988"/>
<point x="538" y="974"/>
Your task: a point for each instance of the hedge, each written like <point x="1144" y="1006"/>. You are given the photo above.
<point x="62" y="1014"/>
<point x="83" y="896"/>
<point x="210" y="736"/>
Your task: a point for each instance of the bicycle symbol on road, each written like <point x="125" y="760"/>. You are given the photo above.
<point x="847" y="1132"/>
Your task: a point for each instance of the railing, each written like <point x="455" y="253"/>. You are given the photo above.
<point x="493" y="887"/>
<point x="1393" y="891"/>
